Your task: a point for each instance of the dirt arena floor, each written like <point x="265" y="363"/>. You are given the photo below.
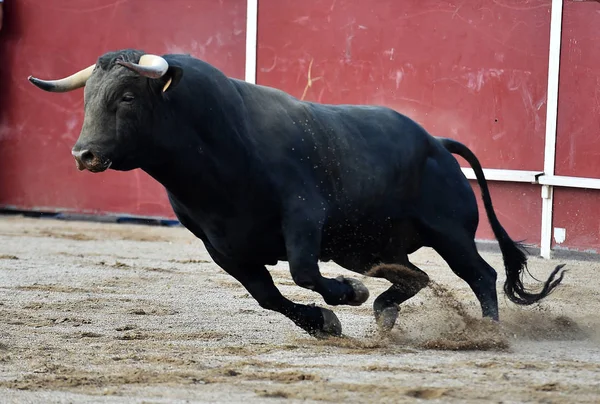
<point x="108" y="313"/>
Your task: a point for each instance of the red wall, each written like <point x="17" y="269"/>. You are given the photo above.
<point x="50" y="39"/>
<point x="475" y="71"/>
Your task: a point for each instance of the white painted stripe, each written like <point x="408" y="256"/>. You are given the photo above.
<point x="492" y="174"/>
<point x="572" y="182"/>
<point x="251" y="40"/>
<point x="534" y="177"/>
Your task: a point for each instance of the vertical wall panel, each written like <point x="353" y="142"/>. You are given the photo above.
<point x="578" y="138"/>
<point x="576" y="211"/>
<point x="475" y="71"/>
<point x="50" y="39"/>
<point x="578" y="130"/>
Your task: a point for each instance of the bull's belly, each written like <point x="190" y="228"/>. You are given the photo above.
<point x="357" y="246"/>
<point x="368" y="237"/>
<point x="262" y="242"/>
<point x="267" y="247"/>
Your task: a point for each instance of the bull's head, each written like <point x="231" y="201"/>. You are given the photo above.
<point x="121" y="95"/>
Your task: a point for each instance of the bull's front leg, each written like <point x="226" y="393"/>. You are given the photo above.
<point x="303" y="243"/>
<point x="317" y="321"/>
<point x="257" y="280"/>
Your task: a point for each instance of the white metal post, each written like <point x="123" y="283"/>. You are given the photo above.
<point x="551" y="120"/>
<point x="251" y="40"/>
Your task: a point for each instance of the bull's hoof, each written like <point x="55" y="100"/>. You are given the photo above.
<point x="361" y="293"/>
<point x="331" y="325"/>
<point x="386" y="318"/>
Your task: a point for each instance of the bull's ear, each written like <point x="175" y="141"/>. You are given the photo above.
<point x="171" y="78"/>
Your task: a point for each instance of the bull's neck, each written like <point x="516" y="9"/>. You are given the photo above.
<point x="206" y="154"/>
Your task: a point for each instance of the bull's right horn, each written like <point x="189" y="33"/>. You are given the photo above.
<point x="151" y="66"/>
<point x="70" y="83"/>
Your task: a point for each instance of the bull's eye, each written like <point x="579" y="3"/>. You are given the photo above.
<point x="127" y="97"/>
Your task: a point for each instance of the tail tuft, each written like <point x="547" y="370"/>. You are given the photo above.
<point x="517" y="293"/>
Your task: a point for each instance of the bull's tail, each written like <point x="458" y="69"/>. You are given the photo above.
<point x="515" y="261"/>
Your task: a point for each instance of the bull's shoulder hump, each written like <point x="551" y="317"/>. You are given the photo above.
<point x="255" y="93"/>
<point x="268" y="103"/>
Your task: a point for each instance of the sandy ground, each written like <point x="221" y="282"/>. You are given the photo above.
<point x="109" y="313"/>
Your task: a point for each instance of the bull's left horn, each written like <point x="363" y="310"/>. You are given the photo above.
<point x="70" y="83"/>
<point x="151" y="66"/>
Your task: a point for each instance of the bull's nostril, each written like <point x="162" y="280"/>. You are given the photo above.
<point x="86" y="156"/>
<point x="86" y="159"/>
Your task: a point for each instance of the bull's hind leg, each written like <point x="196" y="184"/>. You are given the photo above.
<point x="317" y="321"/>
<point x="407" y="280"/>
<point x="460" y="253"/>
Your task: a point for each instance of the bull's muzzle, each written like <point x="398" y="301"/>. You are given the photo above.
<point x="88" y="160"/>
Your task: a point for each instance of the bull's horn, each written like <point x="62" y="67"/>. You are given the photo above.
<point x="151" y="66"/>
<point x="70" y="83"/>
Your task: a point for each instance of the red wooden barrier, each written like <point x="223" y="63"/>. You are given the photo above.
<point x="475" y="71"/>
<point x="55" y="38"/>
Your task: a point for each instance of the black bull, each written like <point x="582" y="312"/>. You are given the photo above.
<point x="260" y="176"/>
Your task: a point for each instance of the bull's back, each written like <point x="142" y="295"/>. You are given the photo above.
<point x="352" y="152"/>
